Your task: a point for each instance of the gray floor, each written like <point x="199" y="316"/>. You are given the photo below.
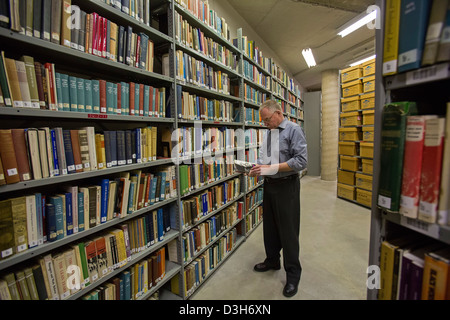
<point x="334" y="246"/>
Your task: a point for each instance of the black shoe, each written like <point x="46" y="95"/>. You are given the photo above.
<point x="263" y="267"/>
<point x="290" y="290"/>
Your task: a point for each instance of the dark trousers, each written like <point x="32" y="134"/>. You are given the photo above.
<point x="281" y="225"/>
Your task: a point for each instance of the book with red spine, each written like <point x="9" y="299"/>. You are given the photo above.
<point x="412" y="165"/>
<point x="431" y="169"/>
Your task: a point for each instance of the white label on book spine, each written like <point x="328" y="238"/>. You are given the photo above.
<point x="384" y="202"/>
<point x="71" y="167"/>
<point x="21" y="248"/>
<point x="18" y="104"/>
<point x="78" y="166"/>
<point x="428" y="209"/>
<point x="407" y="57"/>
<point x="7" y="252"/>
<point x="12" y="171"/>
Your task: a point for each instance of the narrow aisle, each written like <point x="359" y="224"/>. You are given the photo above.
<point x="334" y="251"/>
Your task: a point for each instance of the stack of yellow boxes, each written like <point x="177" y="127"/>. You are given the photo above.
<point x="356" y="133"/>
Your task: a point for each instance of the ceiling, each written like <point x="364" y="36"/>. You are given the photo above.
<point x="289" y="26"/>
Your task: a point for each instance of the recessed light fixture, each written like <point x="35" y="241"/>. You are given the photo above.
<point x="358" y="24"/>
<point x="309" y="57"/>
<point x="362" y="61"/>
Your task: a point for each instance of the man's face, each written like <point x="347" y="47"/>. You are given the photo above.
<point x="270" y="118"/>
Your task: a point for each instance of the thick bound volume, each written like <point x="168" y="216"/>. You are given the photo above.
<point x="431" y="169"/>
<point x="393" y="130"/>
<point x="412" y="165"/>
<point x="391" y="29"/>
<point x="444" y="195"/>
<point x="413" y="26"/>
<point x="8" y="156"/>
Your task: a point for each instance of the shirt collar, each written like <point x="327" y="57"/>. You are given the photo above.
<point x="283" y="124"/>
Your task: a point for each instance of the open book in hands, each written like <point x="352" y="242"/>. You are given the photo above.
<point x="243" y="166"/>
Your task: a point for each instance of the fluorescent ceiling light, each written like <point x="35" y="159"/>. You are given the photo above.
<point x="362" y="61"/>
<point x="358" y="24"/>
<point x="309" y="57"/>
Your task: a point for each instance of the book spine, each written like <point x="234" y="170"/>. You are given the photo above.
<point x="431" y="169"/>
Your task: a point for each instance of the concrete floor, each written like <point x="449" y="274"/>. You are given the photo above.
<point x="334" y="248"/>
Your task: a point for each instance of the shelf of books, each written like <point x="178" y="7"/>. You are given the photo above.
<point x="356" y="133"/>
<point x="410" y="231"/>
<point x="117" y="145"/>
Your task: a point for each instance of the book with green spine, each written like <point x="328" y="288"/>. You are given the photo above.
<point x="393" y="130"/>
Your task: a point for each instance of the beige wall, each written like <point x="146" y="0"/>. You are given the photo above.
<point x="235" y="21"/>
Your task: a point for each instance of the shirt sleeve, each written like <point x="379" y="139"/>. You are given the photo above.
<point x="299" y="151"/>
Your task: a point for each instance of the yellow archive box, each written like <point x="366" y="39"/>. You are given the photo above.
<point x="352" y="88"/>
<point x="351" y="73"/>
<point x="363" y="181"/>
<point x="350" y="104"/>
<point x="367" y="166"/>
<point x="345" y="191"/>
<point x="367" y="101"/>
<point x="367" y="134"/>
<point x="348" y="148"/>
<point x="364" y="197"/>
<point x="350" y="134"/>
<point x="368" y="68"/>
<point x="349" y="163"/>
<point x="369" y="84"/>
<point x="350" y="119"/>
<point x="366" y="149"/>
<point x="346" y="177"/>
<point x="368" y="117"/>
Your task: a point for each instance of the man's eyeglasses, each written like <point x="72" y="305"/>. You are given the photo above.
<point x="268" y="119"/>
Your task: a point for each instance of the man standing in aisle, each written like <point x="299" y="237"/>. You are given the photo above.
<point x="282" y="156"/>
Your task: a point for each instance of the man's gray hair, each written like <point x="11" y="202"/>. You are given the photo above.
<point x="271" y="105"/>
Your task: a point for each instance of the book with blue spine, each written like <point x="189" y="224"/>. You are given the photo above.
<point x="57" y="203"/>
<point x="54" y="153"/>
<point x="39" y="218"/>
<point x="81" y="95"/>
<point x="104" y="200"/>
<point x="414" y="17"/>
<point x="73" y="93"/>
<point x="160" y="224"/>
<point x="69" y="213"/>
<point x="95" y="96"/>
<point x="88" y="95"/>
<point x="65" y="92"/>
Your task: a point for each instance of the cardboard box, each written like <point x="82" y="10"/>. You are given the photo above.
<point x="350" y="104"/>
<point x="352" y="88"/>
<point x="363" y="181"/>
<point x="367" y="135"/>
<point x="366" y="149"/>
<point x="346" y="177"/>
<point x="350" y="134"/>
<point x="367" y="101"/>
<point x="364" y="197"/>
<point x="350" y="119"/>
<point x="345" y="191"/>
<point x="351" y="73"/>
<point x="368" y="68"/>
<point x="369" y="84"/>
<point x="349" y="163"/>
<point x="348" y="148"/>
<point x="367" y="166"/>
<point x="368" y="117"/>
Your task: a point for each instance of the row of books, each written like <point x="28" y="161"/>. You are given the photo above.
<point x="280" y="74"/>
<point x="252" y="155"/>
<point x="415" y="163"/>
<point x="36" y="153"/>
<point x="253" y="218"/>
<point x="32" y="84"/>
<point x="197" y="140"/>
<point x="252" y="116"/>
<point x="138" y="9"/>
<point x="412" y="270"/>
<point x="134" y="282"/>
<point x="193" y="71"/>
<point x="253" y="198"/>
<point x="196" y="271"/>
<point x="206" y="232"/>
<point x="58" y="275"/>
<point x="252" y="73"/>
<point x="36" y="219"/>
<point x="203" y="12"/>
<point x="253" y="181"/>
<point x="253" y="95"/>
<point x="278" y="89"/>
<point x="59" y="22"/>
<point x="197" y="206"/>
<point x="194" y="38"/>
<point x="253" y="52"/>
<point x="194" y="176"/>
<point x="419" y="27"/>
<point x="193" y="107"/>
<point x="254" y="137"/>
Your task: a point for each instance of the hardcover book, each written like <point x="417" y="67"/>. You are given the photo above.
<point x="393" y="130"/>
